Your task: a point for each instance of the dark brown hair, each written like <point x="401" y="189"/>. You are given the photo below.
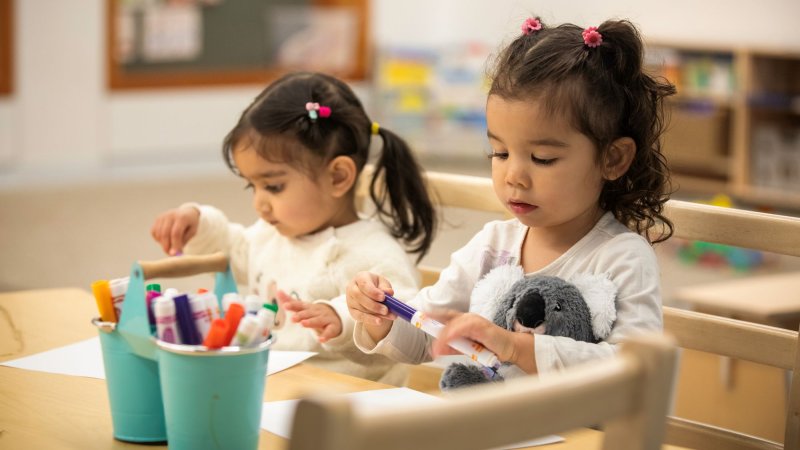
<point x="606" y="95"/>
<point x="280" y="129"/>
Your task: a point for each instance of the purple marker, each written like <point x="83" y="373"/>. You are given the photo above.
<point x="186" y="326"/>
<point x="472" y="349"/>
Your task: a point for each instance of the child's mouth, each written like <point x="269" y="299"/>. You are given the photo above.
<point x="521" y="207"/>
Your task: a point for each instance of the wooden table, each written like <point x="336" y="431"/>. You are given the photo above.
<point x="736" y="394"/>
<point x="43" y="410"/>
<point x="769" y="299"/>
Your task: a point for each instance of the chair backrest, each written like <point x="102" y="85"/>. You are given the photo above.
<point x="762" y="344"/>
<point x="448" y="190"/>
<point x="629" y="394"/>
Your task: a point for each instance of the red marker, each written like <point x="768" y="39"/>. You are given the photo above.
<point x="216" y="337"/>
<point x="232" y="317"/>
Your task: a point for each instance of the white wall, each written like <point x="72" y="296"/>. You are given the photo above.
<point x="62" y="125"/>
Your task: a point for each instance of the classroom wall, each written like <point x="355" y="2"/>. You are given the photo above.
<point x="62" y="125"/>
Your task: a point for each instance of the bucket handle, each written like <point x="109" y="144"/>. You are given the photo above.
<point x="133" y="325"/>
<point x="184" y="266"/>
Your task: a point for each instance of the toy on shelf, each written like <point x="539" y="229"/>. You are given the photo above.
<point x="719" y="255"/>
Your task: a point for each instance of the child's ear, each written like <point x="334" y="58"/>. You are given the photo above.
<point x="618" y="158"/>
<point x="342" y="172"/>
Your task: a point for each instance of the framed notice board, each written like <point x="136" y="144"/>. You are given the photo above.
<point x="153" y="43"/>
<point x="6" y="46"/>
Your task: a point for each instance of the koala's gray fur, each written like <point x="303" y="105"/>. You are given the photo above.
<point x="531" y="301"/>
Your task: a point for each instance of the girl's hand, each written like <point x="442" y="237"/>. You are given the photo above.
<point x="173" y="229"/>
<point x="509" y="346"/>
<point x="365" y="303"/>
<point x="319" y="317"/>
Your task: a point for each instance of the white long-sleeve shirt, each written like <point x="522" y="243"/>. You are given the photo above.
<point x="609" y="248"/>
<point x="316" y="267"/>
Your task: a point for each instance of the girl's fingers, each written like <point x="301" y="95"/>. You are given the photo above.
<point x="289" y="303"/>
<point x="329" y="332"/>
<point x="164" y="232"/>
<point x="316" y="322"/>
<point x="303" y="315"/>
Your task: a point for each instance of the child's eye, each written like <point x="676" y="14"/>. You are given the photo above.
<point x="274" y="188"/>
<point x="498" y="155"/>
<point x="248" y="186"/>
<point x="542" y="162"/>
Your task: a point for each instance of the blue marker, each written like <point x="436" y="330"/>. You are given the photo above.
<point x="472" y="349"/>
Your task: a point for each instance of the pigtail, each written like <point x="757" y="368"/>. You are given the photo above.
<point x="411" y="216"/>
<point x="639" y="196"/>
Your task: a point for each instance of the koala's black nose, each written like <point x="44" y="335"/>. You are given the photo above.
<point x="530" y="310"/>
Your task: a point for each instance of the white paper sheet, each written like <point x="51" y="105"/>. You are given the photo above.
<point x="81" y="359"/>
<point x="276" y="417"/>
<point x="85" y="359"/>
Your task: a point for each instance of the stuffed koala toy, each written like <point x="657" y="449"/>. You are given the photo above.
<point x="582" y="309"/>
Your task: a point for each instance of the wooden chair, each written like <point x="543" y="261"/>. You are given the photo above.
<point x="767" y="345"/>
<point x="737" y="339"/>
<point x="629" y="394"/>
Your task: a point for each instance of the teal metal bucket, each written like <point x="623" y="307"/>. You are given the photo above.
<point x="130" y="357"/>
<point x="134" y="389"/>
<point x="213" y="398"/>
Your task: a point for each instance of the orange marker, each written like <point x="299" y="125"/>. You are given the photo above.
<point x="232" y="317"/>
<point x="102" y="296"/>
<point x="217" y="334"/>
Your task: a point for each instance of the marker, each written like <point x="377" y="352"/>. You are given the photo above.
<point x="119" y="286"/>
<point x="186" y="327"/>
<point x="212" y="305"/>
<point x="232" y="316"/>
<point x="228" y="299"/>
<point x="247" y="332"/>
<point x="266" y="320"/>
<point x="150" y="296"/>
<point x="472" y="349"/>
<point x="216" y="335"/>
<point x="252" y="303"/>
<point x="164" y="310"/>
<point x="102" y="296"/>
<point x="200" y="315"/>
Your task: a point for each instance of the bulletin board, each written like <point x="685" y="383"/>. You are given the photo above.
<point x="6" y="47"/>
<point x="154" y="44"/>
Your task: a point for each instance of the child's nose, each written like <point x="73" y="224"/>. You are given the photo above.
<point x="517" y="175"/>
<point x="261" y="203"/>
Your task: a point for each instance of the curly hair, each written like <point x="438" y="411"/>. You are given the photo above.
<point x="606" y="95"/>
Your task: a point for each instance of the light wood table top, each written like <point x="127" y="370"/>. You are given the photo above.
<point x="770" y="299"/>
<point x="44" y="410"/>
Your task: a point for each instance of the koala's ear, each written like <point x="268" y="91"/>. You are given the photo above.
<point x="600" y="295"/>
<point x="489" y="290"/>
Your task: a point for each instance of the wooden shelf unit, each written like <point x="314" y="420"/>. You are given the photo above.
<point x="735" y="123"/>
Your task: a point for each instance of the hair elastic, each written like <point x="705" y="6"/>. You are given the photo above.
<point x="315" y="110"/>
<point x="591" y="37"/>
<point x="531" y="25"/>
<point x="376" y="127"/>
